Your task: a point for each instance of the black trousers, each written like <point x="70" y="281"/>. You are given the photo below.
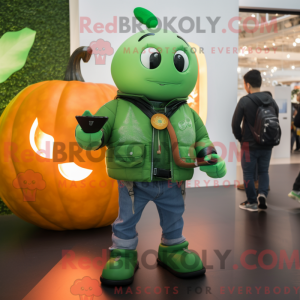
<point x="294" y="137"/>
<point x="296" y="186"/>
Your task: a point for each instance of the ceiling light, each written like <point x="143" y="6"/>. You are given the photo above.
<point x="275" y="68"/>
<point x="239" y="70"/>
<point x="264" y="73"/>
<point x="293" y="67"/>
<point x="276" y="15"/>
<point x="287" y="37"/>
<point x="294" y="44"/>
<point x="272" y="71"/>
<point x="253" y="15"/>
<point x="297" y="40"/>
<point x="250" y="68"/>
<point x="288" y="56"/>
<point x="239" y="22"/>
<point x="267" y="66"/>
<point x="266" y="58"/>
<point x="273" y="44"/>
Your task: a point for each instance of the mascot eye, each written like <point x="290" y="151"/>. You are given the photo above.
<point x="150" y="58"/>
<point x="181" y="61"/>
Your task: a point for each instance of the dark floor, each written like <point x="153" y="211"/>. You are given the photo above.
<point x="32" y="268"/>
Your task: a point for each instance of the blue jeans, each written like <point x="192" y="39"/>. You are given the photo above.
<point x="261" y="157"/>
<point x="170" y="205"/>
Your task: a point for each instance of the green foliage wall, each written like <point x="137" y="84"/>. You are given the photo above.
<point x="48" y="58"/>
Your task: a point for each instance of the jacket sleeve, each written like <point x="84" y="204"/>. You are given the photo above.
<point x="107" y="110"/>
<point x="204" y="146"/>
<point x="237" y="120"/>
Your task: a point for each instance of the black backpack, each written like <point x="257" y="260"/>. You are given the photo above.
<point x="266" y="130"/>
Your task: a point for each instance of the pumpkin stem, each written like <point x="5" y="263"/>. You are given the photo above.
<point x="73" y="70"/>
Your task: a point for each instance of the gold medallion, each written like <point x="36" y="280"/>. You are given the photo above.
<point x="159" y="121"/>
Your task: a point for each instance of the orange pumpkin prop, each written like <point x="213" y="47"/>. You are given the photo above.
<point x="49" y="184"/>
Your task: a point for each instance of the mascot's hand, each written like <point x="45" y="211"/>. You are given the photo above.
<point x="88" y="141"/>
<point x="217" y="170"/>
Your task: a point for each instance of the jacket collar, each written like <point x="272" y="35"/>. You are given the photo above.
<point x="142" y="97"/>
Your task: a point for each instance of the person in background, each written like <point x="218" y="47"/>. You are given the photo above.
<point x="295" y="193"/>
<point x="241" y="186"/>
<point x="294" y="136"/>
<point x="246" y="110"/>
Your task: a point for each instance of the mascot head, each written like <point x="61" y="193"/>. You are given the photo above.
<point x="158" y="64"/>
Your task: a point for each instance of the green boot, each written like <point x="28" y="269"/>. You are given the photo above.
<point x="120" y="268"/>
<point x="180" y="261"/>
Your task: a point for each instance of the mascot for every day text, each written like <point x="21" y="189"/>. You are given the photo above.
<point x="154" y="141"/>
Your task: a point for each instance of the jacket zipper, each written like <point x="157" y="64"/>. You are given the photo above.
<point x="152" y="146"/>
<point x="171" y="158"/>
<point x="171" y="154"/>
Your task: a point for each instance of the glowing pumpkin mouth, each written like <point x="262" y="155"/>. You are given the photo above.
<point x="42" y="144"/>
<point x="73" y="172"/>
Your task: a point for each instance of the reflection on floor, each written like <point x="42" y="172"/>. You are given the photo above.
<point x="246" y="254"/>
<point x="294" y="159"/>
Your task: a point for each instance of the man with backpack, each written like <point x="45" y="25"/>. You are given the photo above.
<point x="259" y="133"/>
<point x="295" y="193"/>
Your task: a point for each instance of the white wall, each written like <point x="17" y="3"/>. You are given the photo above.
<point x="271" y="5"/>
<point x="222" y="67"/>
<point x="74" y="24"/>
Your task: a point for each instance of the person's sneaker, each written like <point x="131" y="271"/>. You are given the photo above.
<point x="295" y="195"/>
<point x="241" y="186"/>
<point x="262" y="201"/>
<point x="248" y="206"/>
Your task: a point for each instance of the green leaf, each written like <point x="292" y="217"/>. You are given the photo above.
<point x="145" y="17"/>
<point x="14" y="49"/>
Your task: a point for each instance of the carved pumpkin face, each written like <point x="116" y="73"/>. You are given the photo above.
<point x="71" y="189"/>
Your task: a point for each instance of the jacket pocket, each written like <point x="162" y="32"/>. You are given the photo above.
<point x="126" y="156"/>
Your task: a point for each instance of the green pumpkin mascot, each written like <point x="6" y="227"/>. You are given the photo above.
<point x="154" y="141"/>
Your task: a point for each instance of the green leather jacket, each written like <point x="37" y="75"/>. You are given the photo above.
<point x="129" y="137"/>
